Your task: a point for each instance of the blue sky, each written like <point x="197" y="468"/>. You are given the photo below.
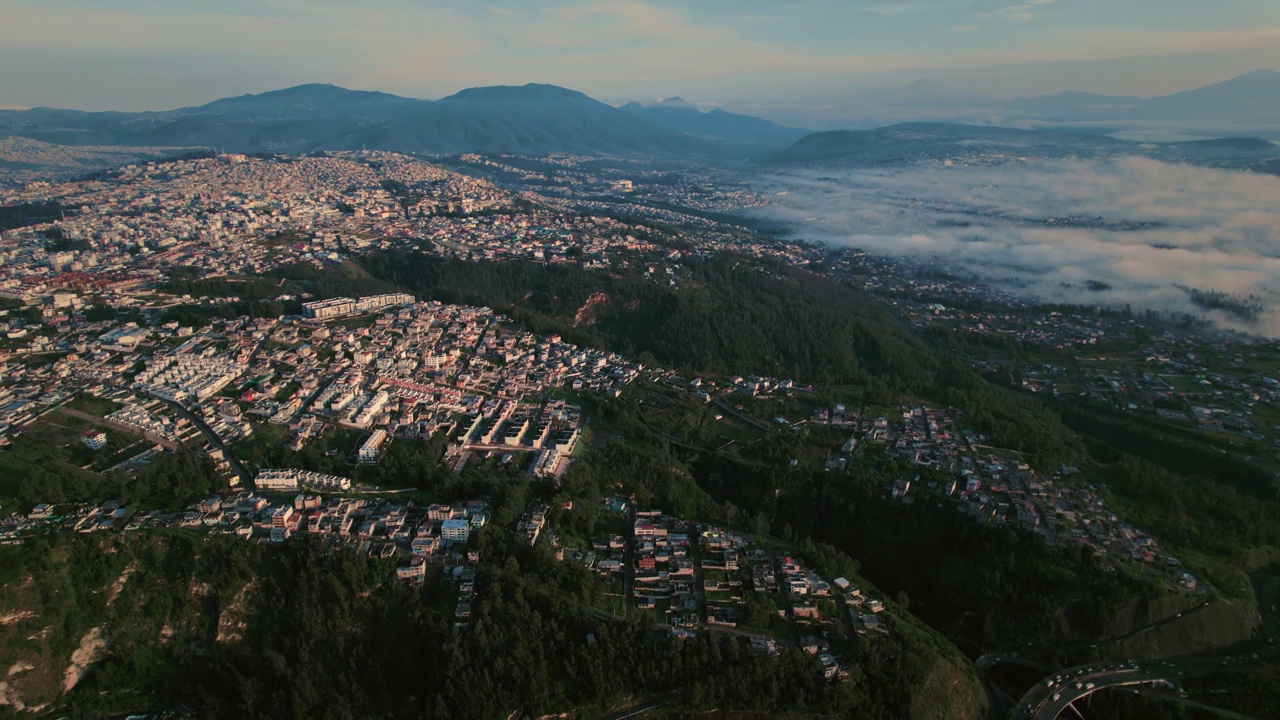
<point x="156" y="54"/>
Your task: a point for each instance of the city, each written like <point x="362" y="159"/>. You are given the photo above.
<point x="585" y="360"/>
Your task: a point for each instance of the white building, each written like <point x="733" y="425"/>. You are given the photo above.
<point x="292" y="480"/>
<point x="372" y="447"/>
<point x="456" y="530"/>
<point x="93" y="439"/>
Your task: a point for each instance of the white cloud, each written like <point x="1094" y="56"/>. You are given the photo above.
<point x="1201" y="228"/>
<point x="611" y="47"/>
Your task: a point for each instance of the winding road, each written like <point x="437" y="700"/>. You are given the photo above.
<point x="1054" y="694"/>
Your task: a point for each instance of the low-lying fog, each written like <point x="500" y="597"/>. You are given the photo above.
<point x="1105" y="232"/>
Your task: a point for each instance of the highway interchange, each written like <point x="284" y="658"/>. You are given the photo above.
<point x="1054" y="694"/>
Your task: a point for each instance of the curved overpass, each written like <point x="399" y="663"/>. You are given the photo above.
<point x="1055" y="693"/>
<point x="1051" y="696"/>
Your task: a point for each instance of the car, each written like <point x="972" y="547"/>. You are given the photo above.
<point x="1178" y="615"/>
<point x="1088" y="686"/>
<point x="1056" y="696"/>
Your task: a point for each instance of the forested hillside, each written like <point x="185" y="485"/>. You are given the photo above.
<point x="731" y="314"/>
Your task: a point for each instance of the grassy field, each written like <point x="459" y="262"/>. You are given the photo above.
<point x="1266" y="414"/>
<point x="92" y="405"/>
<point x="39" y="445"/>
<point x="1183" y="383"/>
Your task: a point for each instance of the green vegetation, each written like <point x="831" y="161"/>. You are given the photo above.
<point x="169" y="480"/>
<point x="404" y="463"/>
<point x="29" y="213"/>
<point x="93" y="405"/>
<point x="234" y="629"/>
<point x="731" y="315"/>
<point x="310" y="630"/>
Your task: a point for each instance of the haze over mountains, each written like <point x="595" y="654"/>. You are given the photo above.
<point x="678" y="114"/>
<point x="908" y="143"/>
<point x="1249" y="104"/>
<point x="531" y="119"/>
<point x="539" y="119"/>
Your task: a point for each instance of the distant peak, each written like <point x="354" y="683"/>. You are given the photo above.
<point x="675" y="102"/>
<point x="311" y="87"/>
<point x="308" y="89"/>
<point x="531" y="91"/>
<point x="310" y="92"/>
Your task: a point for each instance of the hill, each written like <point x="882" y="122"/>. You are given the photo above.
<point x="916" y="142"/>
<point x="718" y="125"/>
<point x="1253" y="97"/>
<point x="1248" y="104"/>
<point x="531" y="119"/>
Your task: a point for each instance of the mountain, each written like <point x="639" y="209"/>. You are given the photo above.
<point x="920" y="142"/>
<point x="1252" y="97"/>
<point x="1257" y="92"/>
<point x="718" y="125"/>
<point x="530" y="119"/>
<point x="303" y="101"/>
<point x="1248" y="104"/>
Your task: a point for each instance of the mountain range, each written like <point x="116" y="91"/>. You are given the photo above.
<point x="718" y="125"/>
<point x="1249" y="102"/>
<point x="531" y="119"/>
<point x="540" y="119"/>
<point x="906" y="143"/>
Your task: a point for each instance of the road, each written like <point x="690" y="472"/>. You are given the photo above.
<point x="1049" y="698"/>
<point x="738" y="414"/>
<point x="699" y="588"/>
<point x="644" y="706"/>
<point x="246" y="478"/>
<point x="1052" y="695"/>
<point x="999" y="702"/>
<point x="1170" y="697"/>
<point x="628" y="562"/>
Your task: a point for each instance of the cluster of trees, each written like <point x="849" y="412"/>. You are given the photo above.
<point x="230" y="629"/>
<point x="1181" y="450"/>
<point x="29" y="213"/>
<point x="255" y="297"/>
<point x="1204" y="513"/>
<point x="346" y="279"/>
<point x="983" y="588"/>
<point x="654" y="476"/>
<point x="250" y="288"/>
<point x="168" y="481"/>
<point x="733" y="314"/>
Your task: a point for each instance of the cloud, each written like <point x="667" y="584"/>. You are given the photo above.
<point x="1143" y="228"/>
<point x="615" y="47"/>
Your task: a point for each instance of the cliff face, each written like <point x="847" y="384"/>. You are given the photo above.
<point x="588" y="314"/>
<point x="949" y="691"/>
<point x="1176" y="624"/>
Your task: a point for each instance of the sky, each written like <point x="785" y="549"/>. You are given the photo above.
<point x="161" y="54"/>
